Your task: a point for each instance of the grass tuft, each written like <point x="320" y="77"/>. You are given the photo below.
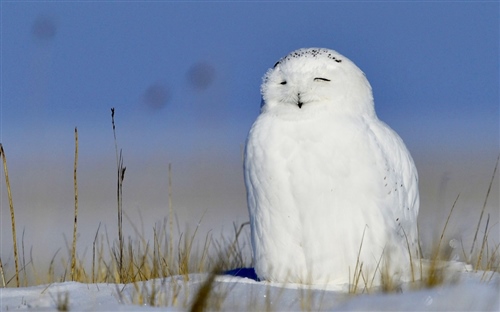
<point x="482" y="210"/>
<point x="12" y="218"/>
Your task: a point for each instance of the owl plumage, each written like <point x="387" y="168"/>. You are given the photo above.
<point x="332" y="190"/>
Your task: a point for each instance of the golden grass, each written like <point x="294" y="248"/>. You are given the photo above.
<point x="139" y="259"/>
<point x="434" y="274"/>
<point x="482" y="211"/>
<point x="435" y="270"/>
<point x="202" y="296"/>
<point x="75" y="184"/>
<point x="119" y="261"/>
<point x="12" y="218"/>
<point x="119" y="191"/>
<point x="358" y="271"/>
<point x="61" y="301"/>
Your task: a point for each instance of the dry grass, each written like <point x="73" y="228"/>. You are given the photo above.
<point x="75" y="224"/>
<point x="354" y="283"/>
<point x="12" y="218"/>
<point x="167" y="258"/>
<point x="120" y="169"/>
<point x="61" y="301"/>
<point x="438" y="269"/>
<point x="200" y="302"/>
<point x="482" y="212"/>
<point x="434" y="273"/>
<point x="124" y="261"/>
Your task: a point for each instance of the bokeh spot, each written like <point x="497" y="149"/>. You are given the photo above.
<point x="44" y="28"/>
<point x="201" y="75"/>
<point x="156" y="96"/>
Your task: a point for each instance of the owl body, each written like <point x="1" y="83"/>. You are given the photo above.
<point x="329" y="186"/>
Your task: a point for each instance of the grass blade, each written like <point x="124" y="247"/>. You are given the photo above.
<point x="12" y="218"/>
<point x="75" y="184"/>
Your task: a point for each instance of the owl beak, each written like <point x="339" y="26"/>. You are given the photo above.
<point x="300" y="104"/>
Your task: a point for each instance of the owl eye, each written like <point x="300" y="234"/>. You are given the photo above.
<point x="283" y="82"/>
<point x="322" y="79"/>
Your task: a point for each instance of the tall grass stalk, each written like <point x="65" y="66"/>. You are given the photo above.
<point x="75" y="184"/>
<point x="410" y="254"/>
<point x="446" y="225"/>
<point x="358" y="270"/>
<point x="23" y="260"/>
<point x="484" y="206"/>
<point x="480" y="256"/>
<point x="435" y="271"/>
<point x="119" y="192"/>
<point x="12" y="218"/>
<point x="170" y="216"/>
<point x="2" y="274"/>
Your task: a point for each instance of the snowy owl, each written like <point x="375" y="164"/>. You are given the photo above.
<point x="332" y="191"/>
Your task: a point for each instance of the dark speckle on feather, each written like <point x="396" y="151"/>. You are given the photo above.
<point x="309" y="53"/>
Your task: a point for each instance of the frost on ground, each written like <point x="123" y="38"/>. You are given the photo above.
<point x="474" y="291"/>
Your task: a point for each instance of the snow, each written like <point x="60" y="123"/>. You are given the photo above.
<point x="474" y="291"/>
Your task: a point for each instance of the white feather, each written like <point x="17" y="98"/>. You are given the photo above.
<point x="329" y="185"/>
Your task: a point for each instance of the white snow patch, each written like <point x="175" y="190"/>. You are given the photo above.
<point x="475" y="291"/>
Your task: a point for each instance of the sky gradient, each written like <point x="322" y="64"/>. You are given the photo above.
<point x="184" y="79"/>
<point x="64" y="64"/>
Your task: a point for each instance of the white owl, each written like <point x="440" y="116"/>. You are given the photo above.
<point x="332" y="190"/>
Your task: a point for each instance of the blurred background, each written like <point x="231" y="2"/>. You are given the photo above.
<point x="184" y="79"/>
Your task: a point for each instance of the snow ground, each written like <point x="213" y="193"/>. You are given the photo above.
<point x="474" y="291"/>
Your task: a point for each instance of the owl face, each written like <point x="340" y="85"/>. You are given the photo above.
<point x="315" y="81"/>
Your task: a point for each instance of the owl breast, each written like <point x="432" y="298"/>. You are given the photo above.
<point x="315" y="194"/>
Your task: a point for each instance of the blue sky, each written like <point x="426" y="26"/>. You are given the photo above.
<point x="184" y="79"/>
<point x="433" y="67"/>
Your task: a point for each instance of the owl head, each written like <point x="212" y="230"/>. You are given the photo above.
<point x="316" y="81"/>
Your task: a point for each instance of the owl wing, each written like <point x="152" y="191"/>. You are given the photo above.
<point x="402" y="178"/>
